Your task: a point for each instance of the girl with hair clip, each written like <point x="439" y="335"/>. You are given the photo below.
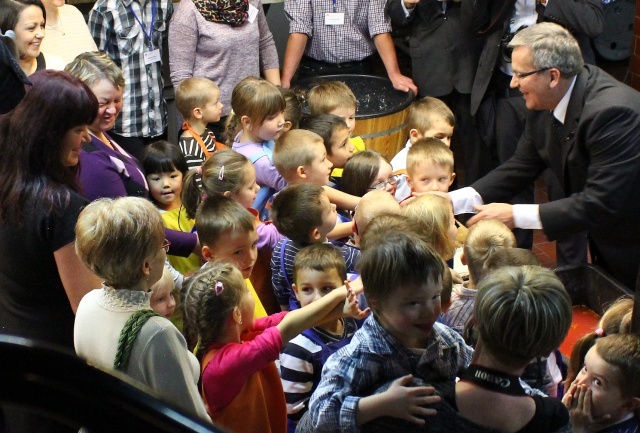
<point x="605" y="396"/>
<point x="616" y="320"/>
<point x="366" y="171"/>
<point x="230" y="174"/>
<point x="258" y="115"/>
<point x="240" y="382"/>
<point x="165" y="167"/>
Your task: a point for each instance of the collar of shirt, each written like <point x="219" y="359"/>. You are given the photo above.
<point x="560" y="112"/>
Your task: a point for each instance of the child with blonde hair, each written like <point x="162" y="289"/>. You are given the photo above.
<point x="430" y="166"/>
<point x="162" y="300"/>
<point x="198" y="101"/>
<point x="482" y="241"/>
<point x="434" y="214"/>
<point x="256" y="123"/>
<point x="605" y="396"/>
<point x="335" y="97"/>
<point x="240" y="382"/>
<point x="301" y="157"/>
<point x="428" y="117"/>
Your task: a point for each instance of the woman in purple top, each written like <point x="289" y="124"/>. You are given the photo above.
<point x="224" y="41"/>
<point x="107" y="169"/>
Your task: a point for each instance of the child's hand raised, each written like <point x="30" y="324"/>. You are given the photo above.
<point x="351" y="307"/>
<point x="578" y="401"/>
<point x="408" y="402"/>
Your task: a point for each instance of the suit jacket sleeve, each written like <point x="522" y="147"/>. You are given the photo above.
<point x="607" y="149"/>
<point x="578" y="16"/>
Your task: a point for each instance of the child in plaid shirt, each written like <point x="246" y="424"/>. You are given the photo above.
<point x="402" y="282"/>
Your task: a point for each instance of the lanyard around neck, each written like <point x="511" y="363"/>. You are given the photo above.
<point x="154" y="11"/>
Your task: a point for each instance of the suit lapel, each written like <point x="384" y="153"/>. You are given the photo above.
<point x="574" y="111"/>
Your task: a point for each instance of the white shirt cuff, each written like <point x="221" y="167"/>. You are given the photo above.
<point x="464" y="199"/>
<point x="407" y="12"/>
<point x="527" y="216"/>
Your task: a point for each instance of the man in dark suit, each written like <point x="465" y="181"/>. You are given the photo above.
<point x="498" y="109"/>
<point x="585" y="126"/>
<point x="444" y="53"/>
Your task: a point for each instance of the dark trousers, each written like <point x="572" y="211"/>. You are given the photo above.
<point x="135" y="145"/>
<point x="310" y="68"/>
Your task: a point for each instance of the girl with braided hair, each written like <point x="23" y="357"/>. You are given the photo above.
<point x="240" y="382"/>
<point x="122" y="241"/>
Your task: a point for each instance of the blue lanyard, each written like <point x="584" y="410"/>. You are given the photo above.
<point x="335" y="5"/>
<point x="154" y="10"/>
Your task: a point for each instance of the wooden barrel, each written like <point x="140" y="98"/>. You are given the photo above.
<point x="382" y="111"/>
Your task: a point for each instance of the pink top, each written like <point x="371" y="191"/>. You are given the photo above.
<point x="233" y="363"/>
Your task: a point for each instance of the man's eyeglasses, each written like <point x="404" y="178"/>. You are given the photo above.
<point x="521" y="75"/>
<point x="165" y="245"/>
<point x="382" y="185"/>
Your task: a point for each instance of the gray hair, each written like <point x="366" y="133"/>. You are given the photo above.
<point x="115" y="237"/>
<point x="93" y="66"/>
<point x="552" y="46"/>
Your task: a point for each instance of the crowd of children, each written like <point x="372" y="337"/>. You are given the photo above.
<point x="373" y="325"/>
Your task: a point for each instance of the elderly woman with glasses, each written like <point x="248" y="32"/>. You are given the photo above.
<point x="122" y="241"/>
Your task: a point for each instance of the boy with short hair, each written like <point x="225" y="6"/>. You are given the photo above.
<point x="402" y="279"/>
<point x="227" y="233"/>
<point x="304" y="214"/>
<point x="301" y="157"/>
<point x="372" y="204"/>
<point x="318" y="269"/>
<point x="335" y="135"/>
<point x="198" y="101"/>
<point x="428" y="117"/>
<point x="482" y="241"/>
<point x="430" y="166"/>
<point x="335" y="97"/>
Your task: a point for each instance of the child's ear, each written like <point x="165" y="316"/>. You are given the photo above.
<point x="315" y="235"/>
<point x="287" y="126"/>
<point x="632" y="404"/>
<point x="301" y="172"/>
<point x="227" y="193"/>
<point x="207" y="254"/>
<point x="295" y="289"/>
<point x="237" y="315"/>
<point x="414" y="135"/>
<point x="463" y="259"/>
<point x="246" y="122"/>
<point x="197" y="113"/>
<point x="453" y="176"/>
<point x="145" y="269"/>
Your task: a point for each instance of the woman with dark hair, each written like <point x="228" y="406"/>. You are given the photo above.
<point x="26" y="19"/>
<point x="41" y="278"/>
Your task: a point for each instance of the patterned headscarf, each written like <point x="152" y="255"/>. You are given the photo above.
<point x="232" y="12"/>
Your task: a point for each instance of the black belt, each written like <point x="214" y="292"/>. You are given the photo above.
<point x="319" y="63"/>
